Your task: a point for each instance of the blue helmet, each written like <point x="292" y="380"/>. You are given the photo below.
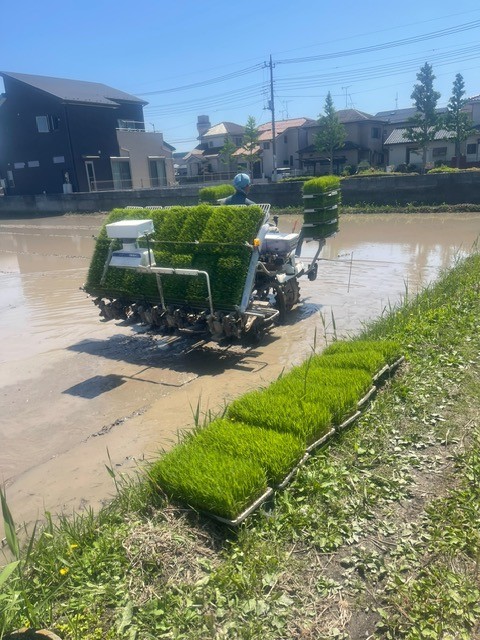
<point x="241" y="180"/>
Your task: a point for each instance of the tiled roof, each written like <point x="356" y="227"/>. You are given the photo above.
<point x="396" y="116"/>
<point x="224" y="128"/>
<point x="397" y="137"/>
<point x="265" y="130"/>
<point x="246" y="152"/>
<point x="75" y="90"/>
<point x="352" y="115"/>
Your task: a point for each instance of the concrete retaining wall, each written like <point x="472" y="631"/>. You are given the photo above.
<point x="437" y="188"/>
<point x="449" y="188"/>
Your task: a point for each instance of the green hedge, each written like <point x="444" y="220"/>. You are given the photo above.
<point x="227" y="465"/>
<point x="204" y="237"/>
<point x="212" y="194"/>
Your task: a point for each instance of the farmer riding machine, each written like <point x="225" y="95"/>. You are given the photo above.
<point x="215" y="271"/>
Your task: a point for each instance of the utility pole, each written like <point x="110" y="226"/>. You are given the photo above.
<point x="271" y="106"/>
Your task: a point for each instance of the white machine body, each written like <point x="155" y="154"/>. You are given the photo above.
<point x="131" y="255"/>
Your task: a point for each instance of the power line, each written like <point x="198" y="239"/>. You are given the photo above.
<point x="386" y="45"/>
<point x="204" y="83"/>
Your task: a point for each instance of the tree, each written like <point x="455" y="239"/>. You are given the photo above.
<point x="250" y="143"/>
<point x="332" y="132"/>
<point x="456" y="120"/>
<point x="227" y="151"/>
<point x="425" y="124"/>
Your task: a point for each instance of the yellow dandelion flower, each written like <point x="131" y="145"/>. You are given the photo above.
<point x="73" y="547"/>
<point x="64" y="571"/>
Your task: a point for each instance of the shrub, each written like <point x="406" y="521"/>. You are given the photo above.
<point x="443" y="169"/>
<point x="363" y="166"/>
<point x="213" y="194"/>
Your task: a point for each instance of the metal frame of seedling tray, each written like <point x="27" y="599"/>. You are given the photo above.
<point x="320" y="441"/>
<point x="293" y="472"/>
<point x="240" y="518"/>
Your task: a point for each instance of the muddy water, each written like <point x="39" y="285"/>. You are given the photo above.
<point x="74" y="388"/>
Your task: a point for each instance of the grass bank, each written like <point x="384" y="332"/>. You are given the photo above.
<point x="376" y="536"/>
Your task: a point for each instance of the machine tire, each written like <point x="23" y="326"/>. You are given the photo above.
<point x="280" y="303"/>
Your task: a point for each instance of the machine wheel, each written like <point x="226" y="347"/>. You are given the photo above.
<point x="292" y="294"/>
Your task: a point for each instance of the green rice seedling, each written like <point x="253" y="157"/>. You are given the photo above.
<point x="318" y="231"/>
<point x="337" y="391"/>
<point x="369" y="360"/>
<point x="208" y="479"/>
<point x="217" y="239"/>
<point x="303" y="419"/>
<point x="195" y="224"/>
<point x="232" y="225"/>
<point x="213" y="194"/>
<point x="276" y="452"/>
<point x="389" y="349"/>
<point x="229" y="279"/>
<point x="175" y="286"/>
<point x="170" y="228"/>
<point x="321" y="184"/>
<point x="320" y="216"/>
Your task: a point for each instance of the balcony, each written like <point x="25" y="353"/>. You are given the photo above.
<point x="130" y="125"/>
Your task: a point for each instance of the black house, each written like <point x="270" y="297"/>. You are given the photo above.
<point x="59" y="135"/>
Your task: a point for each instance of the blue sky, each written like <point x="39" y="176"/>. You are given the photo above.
<point x="190" y="58"/>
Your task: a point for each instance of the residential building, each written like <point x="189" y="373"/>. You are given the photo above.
<point x="363" y="143"/>
<point x="290" y="136"/>
<point x="400" y="150"/>
<point x="206" y="159"/>
<point x="60" y="135"/>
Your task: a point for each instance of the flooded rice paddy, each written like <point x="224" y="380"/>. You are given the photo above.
<point x="76" y="390"/>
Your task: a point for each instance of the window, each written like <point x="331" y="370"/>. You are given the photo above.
<point x="58" y="159"/>
<point x="285" y="139"/>
<point x="42" y="124"/>
<point x="158" y="173"/>
<point x="210" y="144"/>
<point x="472" y="149"/>
<point x="33" y="163"/>
<point x="11" y="181"/>
<point x="122" y="178"/>
<point x="376" y="132"/>
<point x="439" y="152"/>
<point x="266" y="145"/>
<point x="46" y="124"/>
<point x="238" y="141"/>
